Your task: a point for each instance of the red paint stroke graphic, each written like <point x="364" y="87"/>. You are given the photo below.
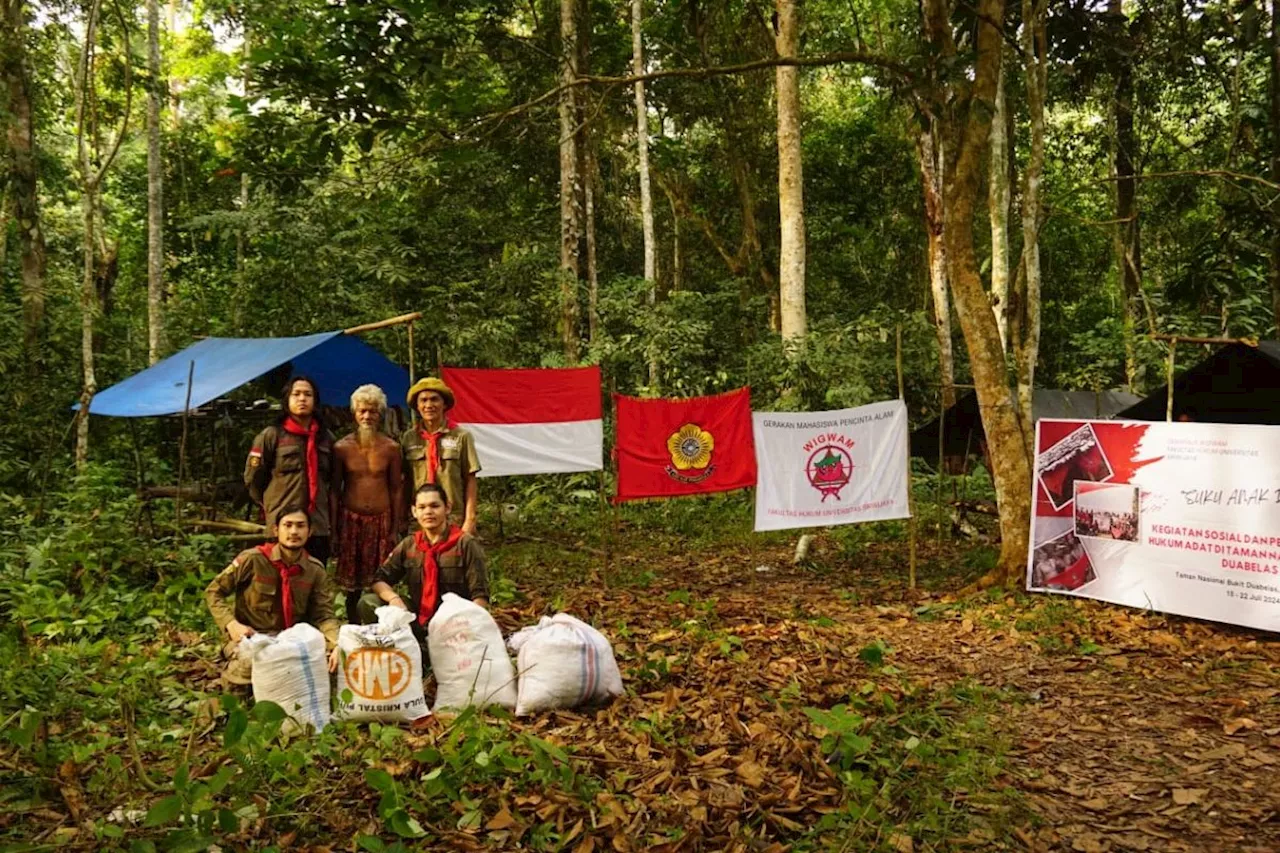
<point x="1118" y="442"/>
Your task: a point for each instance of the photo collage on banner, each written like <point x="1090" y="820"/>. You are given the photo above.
<point x="824" y="468"/>
<point x="1178" y="517"/>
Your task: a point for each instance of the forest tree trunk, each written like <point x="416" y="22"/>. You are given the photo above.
<point x="932" y="162"/>
<point x="790" y="182"/>
<point x="155" y="190"/>
<point x="998" y="201"/>
<point x="88" y="190"/>
<point x="570" y="183"/>
<point x="1128" y="235"/>
<point x="1034" y="48"/>
<point x="1011" y="467"/>
<point x="23" y="176"/>
<point x="646" y="190"/>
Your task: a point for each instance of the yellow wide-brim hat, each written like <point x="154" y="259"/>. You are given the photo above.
<point x="430" y="383"/>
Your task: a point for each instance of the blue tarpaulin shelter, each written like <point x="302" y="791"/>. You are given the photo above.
<point x="338" y="362"/>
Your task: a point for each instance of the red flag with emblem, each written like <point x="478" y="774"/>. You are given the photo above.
<point x="668" y="447"/>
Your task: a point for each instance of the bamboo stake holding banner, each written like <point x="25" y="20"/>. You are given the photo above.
<point x="911" y="507"/>
<point x="1168" y="406"/>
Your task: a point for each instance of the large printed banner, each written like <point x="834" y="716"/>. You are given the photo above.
<point x="1178" y="517"/>
<point x="823" y="468"/>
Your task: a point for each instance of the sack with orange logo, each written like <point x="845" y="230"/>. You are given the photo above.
<point x="380" y="670"/>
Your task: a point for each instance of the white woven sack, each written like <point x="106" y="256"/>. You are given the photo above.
<point x="468" y="657"/>
<point x="563" y="662"/>
<point x="382" y="667"/>
<point x="292" y="670"/>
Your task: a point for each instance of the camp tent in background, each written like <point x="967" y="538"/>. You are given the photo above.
<point x="337" y="361"/>
<point x="962" y="423"/>
<point x="1237" y="384"/>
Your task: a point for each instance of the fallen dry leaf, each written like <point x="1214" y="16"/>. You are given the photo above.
<point x="1188" y="796"/>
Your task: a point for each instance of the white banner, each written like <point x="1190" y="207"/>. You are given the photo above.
<point x="1178" y="517"/>
<point x="817" y="469"/>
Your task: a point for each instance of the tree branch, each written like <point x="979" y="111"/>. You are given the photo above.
<point x="841" y="57"/>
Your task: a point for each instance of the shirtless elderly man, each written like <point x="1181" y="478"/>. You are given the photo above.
<point x="369" y="485"/>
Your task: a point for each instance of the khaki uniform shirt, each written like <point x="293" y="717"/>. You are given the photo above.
<point x="276" y="474"/>
<point x="462" y="572"/>
<point x="457" y="452"/>
<point x="248" y="591"/>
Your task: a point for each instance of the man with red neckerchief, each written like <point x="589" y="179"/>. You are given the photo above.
<point x="291" y="464"/>
<point x="438" y="558"/>
<point x="268" y="589"/>
<point x="435" y="452"/>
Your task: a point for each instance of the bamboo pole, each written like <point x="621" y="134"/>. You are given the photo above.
<point x="382" y="324"/>
<point x="182" y="446"/>
<point x="229" y="524"/>
<point x="412" y="376"/>
<point x="1168" y="406"/>
<point x="911" y="510"/>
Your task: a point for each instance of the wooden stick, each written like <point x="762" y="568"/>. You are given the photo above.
<point x="182" y="445"/>
<point x="911" y="510"/>
<point x="1168" y="406"/>
<point x="382" y="324"/>
<point x="1186" y="339"/>
<point x="229" y="524"/>
<point x="412" y="377"/>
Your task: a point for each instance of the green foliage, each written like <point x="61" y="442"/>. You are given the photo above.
<point x="902" y="757"/>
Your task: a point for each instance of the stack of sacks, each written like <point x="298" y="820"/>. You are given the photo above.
<point x="563" y="662"/>
<point x="382" y="667"/>
<point x="292" y="670"/>
<point x="468" y="657"/>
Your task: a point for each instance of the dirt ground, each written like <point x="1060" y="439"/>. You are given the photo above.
<point x="1122" y="730"/>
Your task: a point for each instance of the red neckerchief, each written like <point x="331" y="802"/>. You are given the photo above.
<point x="286" y="572"/>
<point x="432" y="441"/>
<point x="313" y="461"/>
<point x="431" y="568"/>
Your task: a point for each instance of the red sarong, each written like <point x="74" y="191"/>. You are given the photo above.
<point x="364" y="541"/>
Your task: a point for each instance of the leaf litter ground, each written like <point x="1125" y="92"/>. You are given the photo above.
<point x="822" y="708"/>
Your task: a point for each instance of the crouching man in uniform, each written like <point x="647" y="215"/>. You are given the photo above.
<point x="269" y="588"/>
<point x="438" y="558"/>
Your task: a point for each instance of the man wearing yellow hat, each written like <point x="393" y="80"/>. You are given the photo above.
<point x="435" y="452"/>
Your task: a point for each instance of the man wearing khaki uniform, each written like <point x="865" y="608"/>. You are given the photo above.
<point x="268" y="589"/>
<point x="436" y="453"/>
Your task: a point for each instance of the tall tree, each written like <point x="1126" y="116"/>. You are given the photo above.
<point x="642" y="151"/>
<point x="998" y="194"/>
<point x="968" y="121"/>
<point x="155" y="189"/>
<point x="18" y="170"/>
<point x="790" y="179"/>
<point x="1128" y="235"/>
<point x="930" y="151"/>
<point x="93" y="165"/>
<point x="1035" y="56"/>
<point x="570" y="181"/>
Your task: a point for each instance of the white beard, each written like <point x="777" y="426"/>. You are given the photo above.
<point x="366" y="435"/>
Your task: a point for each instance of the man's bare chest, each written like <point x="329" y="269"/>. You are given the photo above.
<point x="372" y="462"/>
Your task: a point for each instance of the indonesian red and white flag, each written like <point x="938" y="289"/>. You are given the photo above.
<point x="530" y="420"/>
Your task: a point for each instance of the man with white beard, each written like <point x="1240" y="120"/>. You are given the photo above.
<point x="369" y="486"/>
